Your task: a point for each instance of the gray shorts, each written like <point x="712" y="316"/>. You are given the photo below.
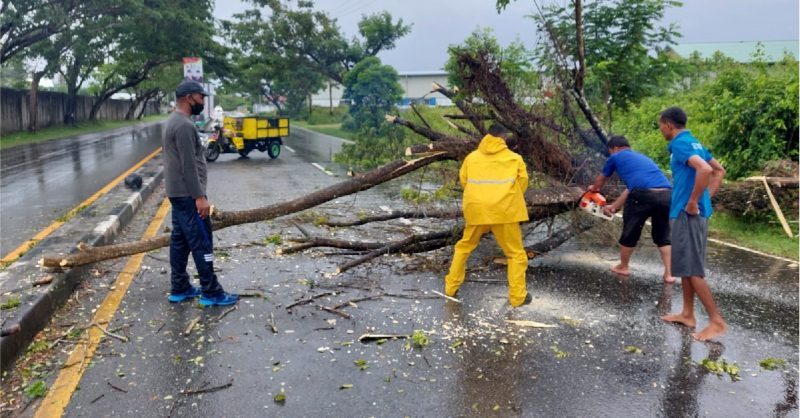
<point x="689" y="235"/>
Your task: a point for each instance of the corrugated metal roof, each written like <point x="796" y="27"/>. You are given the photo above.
<point x="740" y="51"/>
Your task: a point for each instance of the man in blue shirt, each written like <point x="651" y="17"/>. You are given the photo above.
<point x="647" y="195"/>
<point x="696" y="176"/>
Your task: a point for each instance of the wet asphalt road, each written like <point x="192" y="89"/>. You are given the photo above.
<point x="475" y="365"/>
<point x="40" y="182"/>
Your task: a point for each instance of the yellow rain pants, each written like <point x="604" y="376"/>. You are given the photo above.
<point x="509" y="237"/>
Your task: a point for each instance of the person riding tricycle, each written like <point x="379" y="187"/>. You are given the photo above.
<point x="244" y="134"/>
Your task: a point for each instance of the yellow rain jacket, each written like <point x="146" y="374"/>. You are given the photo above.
<point x="494" y="179"/>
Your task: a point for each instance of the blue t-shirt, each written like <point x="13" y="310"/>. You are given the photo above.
<point x="636" y="170"/>
<point x="681" y="148"/>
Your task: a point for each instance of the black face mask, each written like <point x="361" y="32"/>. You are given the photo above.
<point x="197" y="108"/>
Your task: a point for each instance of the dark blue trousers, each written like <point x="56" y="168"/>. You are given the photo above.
<point x="191" y="235"/>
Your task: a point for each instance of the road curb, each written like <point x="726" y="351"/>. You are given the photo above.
<point x="104" y="219"/>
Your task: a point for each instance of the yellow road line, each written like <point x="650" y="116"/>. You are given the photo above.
<point x="27" y="245"/>
<point x="60" y="393"/>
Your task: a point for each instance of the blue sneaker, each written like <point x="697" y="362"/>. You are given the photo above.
<point x="192" y="293"/>
<point x="223" y="299"/>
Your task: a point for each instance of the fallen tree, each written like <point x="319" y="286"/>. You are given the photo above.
<point x="561" y="158"/>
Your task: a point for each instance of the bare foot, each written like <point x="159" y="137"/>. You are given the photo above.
<point x="713" y="330"/>
<point x="689" y="321"/>
<point x="619" y="269"/>
<point x="669" y="279"/>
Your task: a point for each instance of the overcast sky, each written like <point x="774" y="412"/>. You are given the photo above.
<point x="439" y="23"/>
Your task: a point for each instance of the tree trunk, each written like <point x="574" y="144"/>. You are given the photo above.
<point x="71" y="105"/>
<point x="134" y="104"/>
<point x="330" y="98"/>
<point x="33" y="101"/>
<point x="225" y="219"/>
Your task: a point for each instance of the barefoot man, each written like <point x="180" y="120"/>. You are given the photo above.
<point x="647" y="195"/>
<point x="696" y="176"/>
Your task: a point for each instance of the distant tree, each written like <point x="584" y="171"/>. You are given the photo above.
<point x="373" y="90"/>
<point x="315" y="36"/>
<point x="625" y="48"/>
<point x="24" y="23"/>
<point x="14" y="74"/>
<point x="174" y="29"/>
<point x="515" y="62"/>
<point x="292" y="51"/>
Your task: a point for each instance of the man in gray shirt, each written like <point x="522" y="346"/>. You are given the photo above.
<point x="185" y="178"/>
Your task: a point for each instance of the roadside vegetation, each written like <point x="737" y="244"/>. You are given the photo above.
<point x="62" y="131"/>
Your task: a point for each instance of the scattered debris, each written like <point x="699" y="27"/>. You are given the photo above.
<point x="344" y="315"/>
<point x="12" y="302"/>
<point x="361" y="364"/>
<point x="531" y="324"/>
<point x="225" y="312"/>
<point x="309" y="300"/>
<point x="365" y="338"/>
<point x="191" y="326"/>
<point x="280" y="399"/>
<point x="111" y="334"/>
<point x="719" y="367"/>
<point x="772" y="363"/>
<point x="346" y="386"/>
<point x="418" y="339"/>
<point x="272" y="323"/>
<point x="44" y="280"/>
<point x="208" y="390"/>
<point x="633" y="349"/>
<point x="446" y="297"/>
<point x="574" y="323"/>
<point x="117" y="387"/>
<point x="557" y="351"/>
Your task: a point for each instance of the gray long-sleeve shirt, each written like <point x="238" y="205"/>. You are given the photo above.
<point x="184" y="158"/>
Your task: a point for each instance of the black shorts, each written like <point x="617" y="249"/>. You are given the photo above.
<point x="640" y="205"/>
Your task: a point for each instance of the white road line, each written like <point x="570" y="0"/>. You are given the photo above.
<point x="739" y="247"/>
<point x="289" y="148"/>
<point x="323" y="169"/>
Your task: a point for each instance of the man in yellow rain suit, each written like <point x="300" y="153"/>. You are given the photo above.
<point x="494" y="179"/>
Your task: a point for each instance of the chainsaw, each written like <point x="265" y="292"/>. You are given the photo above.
<point x="593" y="202"/>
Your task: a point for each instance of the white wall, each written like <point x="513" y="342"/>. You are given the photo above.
<point x="414" y="84"/>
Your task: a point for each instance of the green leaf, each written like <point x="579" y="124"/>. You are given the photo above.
<point x="772" y="363"/>
<point x="36" y="389"/>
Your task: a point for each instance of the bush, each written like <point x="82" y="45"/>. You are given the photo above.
<point x="746" y="114"/>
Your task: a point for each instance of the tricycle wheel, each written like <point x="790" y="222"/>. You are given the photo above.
<point x="274" y="149"/>
<point x="212" y="152"/>
<point x="244" y="153"/>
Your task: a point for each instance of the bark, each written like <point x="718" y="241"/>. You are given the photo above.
<point x="226" y="219"/>
<point x="441" y="214"/>
<point x="33" y="100"/>
<point x="398" y="247"/>
<point x="422" y="130"/>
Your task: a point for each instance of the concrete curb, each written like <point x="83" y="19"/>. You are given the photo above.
<point x="38" y="303"/>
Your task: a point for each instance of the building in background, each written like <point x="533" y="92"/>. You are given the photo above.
<point x="740" y="51"/>
<point x="415" y="84"/>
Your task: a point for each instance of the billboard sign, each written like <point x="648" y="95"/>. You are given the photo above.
<point x="193" y="69"/>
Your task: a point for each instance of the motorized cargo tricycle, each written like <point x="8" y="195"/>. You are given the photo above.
<point x="244" y="134"/>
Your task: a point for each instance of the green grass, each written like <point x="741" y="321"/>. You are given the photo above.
<point x="333" y="129"/>
<point x="58" y="132"/>
<point x="756" y="234"/>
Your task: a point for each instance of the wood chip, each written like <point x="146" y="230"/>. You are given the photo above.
<point x="191" y="326"/>
<point x="531" y="324"/>
<point x="446" y="297"/>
